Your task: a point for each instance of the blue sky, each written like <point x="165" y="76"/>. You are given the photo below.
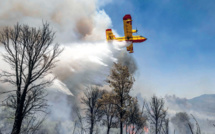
<point x="178" y="57"/>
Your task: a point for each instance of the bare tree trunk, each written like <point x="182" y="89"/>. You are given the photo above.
<point x="126" y="129"/>
<point x="74" y="128"/>
<point x="191" y="130"/>
<point x="19" y="113"/>
<point x="17" y="124"/>
<point x="91" y="127"/>
<point x="156" y="127"/>
<point x="18" y="117"/>
<point x="121" y="127"/>
<point x="121" y="115"/>
<point x="108" y="130"/>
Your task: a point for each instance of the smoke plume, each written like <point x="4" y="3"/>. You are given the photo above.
<point x="72" y="20"/>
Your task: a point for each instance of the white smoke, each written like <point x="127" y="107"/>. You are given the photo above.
<point x="71" y="19"/>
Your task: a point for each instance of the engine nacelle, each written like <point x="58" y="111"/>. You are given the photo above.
<point x="134" y="31"/>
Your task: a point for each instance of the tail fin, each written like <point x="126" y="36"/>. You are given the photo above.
<point x="109" y="35"/>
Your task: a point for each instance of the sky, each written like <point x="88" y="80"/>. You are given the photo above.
<point x="178" y="57"/>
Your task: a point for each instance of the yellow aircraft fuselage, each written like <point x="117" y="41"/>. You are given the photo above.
<point x="128" y="32"/>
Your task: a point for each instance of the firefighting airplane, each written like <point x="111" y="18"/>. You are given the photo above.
<point x="127" y="21"/>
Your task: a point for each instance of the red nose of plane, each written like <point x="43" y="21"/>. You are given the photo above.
<point x="142" y="40"/>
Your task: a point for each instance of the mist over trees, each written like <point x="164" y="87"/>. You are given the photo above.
<point x="181" y="122"/>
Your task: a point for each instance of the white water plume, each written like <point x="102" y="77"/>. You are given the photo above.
<point x="87" y="63"/>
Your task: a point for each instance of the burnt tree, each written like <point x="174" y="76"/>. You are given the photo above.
<point x="136" y="118"/>
<point x="92" y="107"/>
<point x="156" y="114"/>
<point x="108" y="110"/>
<point x="31" y="56"/>
<point x="121" y="81"/>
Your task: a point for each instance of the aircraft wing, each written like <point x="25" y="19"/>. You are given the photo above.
<point x="127" y="27"/>
<point x="128" y="31"/>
